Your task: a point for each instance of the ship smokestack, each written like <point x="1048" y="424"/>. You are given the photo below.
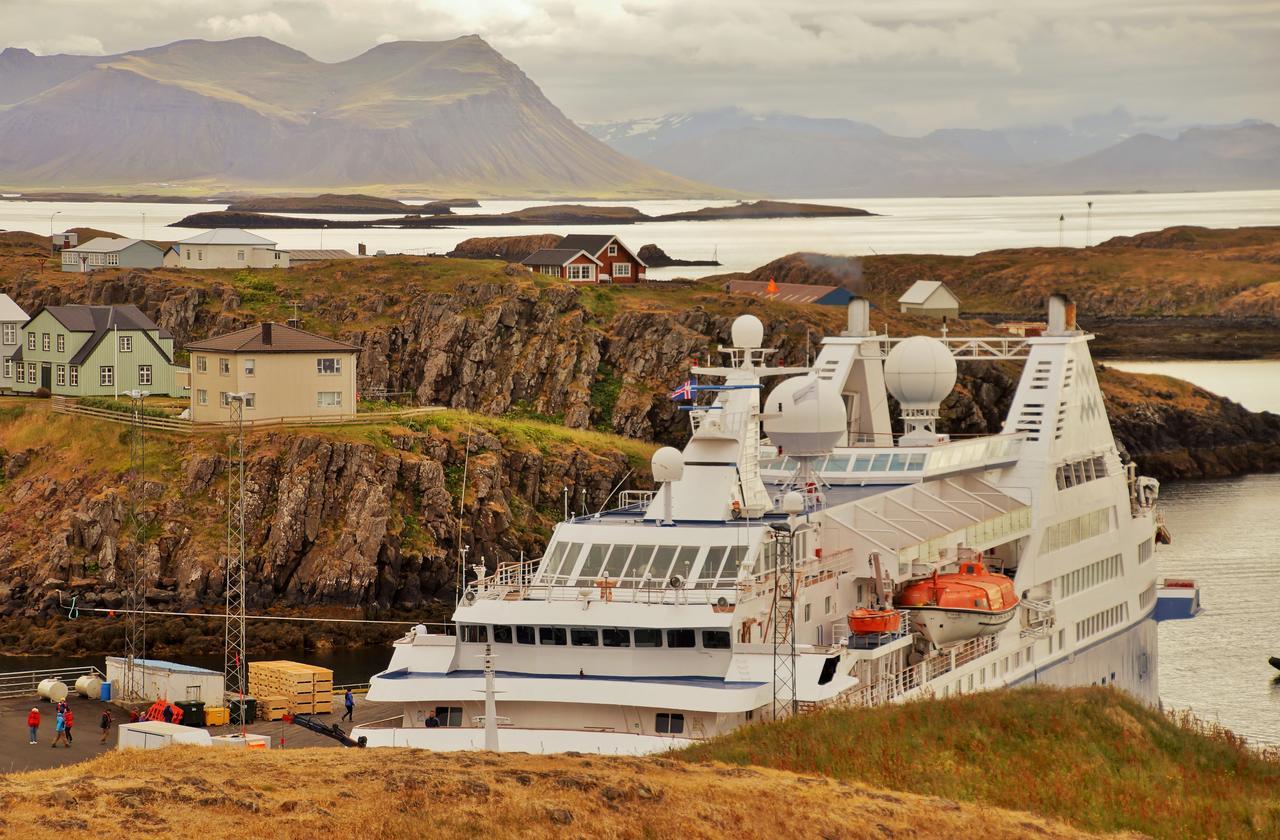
<point x="859" y="317"/>
<point x="1062" y="315"/>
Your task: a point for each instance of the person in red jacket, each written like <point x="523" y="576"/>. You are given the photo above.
<point x="68" y="719"/>
<point x="33" y="723"/>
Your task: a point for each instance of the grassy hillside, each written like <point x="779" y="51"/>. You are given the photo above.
<point x="415" y="793"/>
<point x="1094" y="757"/>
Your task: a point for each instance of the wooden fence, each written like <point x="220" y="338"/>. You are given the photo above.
<point x="65" y="405"/>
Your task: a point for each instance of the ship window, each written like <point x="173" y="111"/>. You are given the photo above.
<point x="617" y="561"/>
<point x="648" y="637"/>
<point x="681" y="637"/>
<point x="729" y="573"/>
<point x="898" y="462"/>
<point x="615" y="637"/>
<point x="502" y="634"/>
<point x="475" y="633"/>
<point x="715" y="639"/>
<point x="661" y="568"/>
<point x="525" y="635"/>
<point x="584" y="636"/>
<point x="449" y="715"/>
<point x="861" y="463"/>
<point x="684" y="562"/>
<point x="788" y="464"/>
<point x="639" y="562"/>
<point x="551" y="635"/>
<point x="594" y="563"/>
<point x="711" y="566"/>
<point x="837" y="463"/>
<point x="669" y="723"/>
<point x="879" y="462"/>
<point x="555" y="557"/>
<point x="916" y="463"/>
<point x="828" y="673"/>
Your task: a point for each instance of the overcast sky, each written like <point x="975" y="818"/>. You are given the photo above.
<point x="906" y="65"/>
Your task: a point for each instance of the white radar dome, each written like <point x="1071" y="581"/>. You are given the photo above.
<point x="804" y="415"/>
<point x="747" y="332"/>
<point x="667" y="464"/>
<point x="920" y="372"/>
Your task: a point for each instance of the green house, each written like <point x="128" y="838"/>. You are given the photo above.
<point x="101" y="351"/>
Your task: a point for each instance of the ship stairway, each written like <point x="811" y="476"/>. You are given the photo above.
<point x="1039" y="618"/>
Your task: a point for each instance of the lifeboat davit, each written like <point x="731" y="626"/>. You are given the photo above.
<point x="960" y="605"/>
<point x="869" y="622"/>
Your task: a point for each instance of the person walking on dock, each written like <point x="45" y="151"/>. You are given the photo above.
<point x="33" y="723"/>
<point x="351" y="707"/>
<point x="67" y="720"/>
<point x="105" y="725"/>
<point x="59" y="730"/>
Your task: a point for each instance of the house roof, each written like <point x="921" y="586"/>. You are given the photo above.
<point x="101" y="320"/>
<point x="788" y="292"/>
<point x="108" y="245"/>
<point x="320" y="254"/>
<point x="921" y="290"/>
<point x="556" y="256"/>
<point x="227" y="236"/>
<point x="594" y="243"/>
<point x="284" y="339"/>
<point x="10" y="311"/>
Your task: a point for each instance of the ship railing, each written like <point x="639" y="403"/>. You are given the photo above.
<point x="894" y="685"/>
<point x="629" y="499"/>
<point x="511" y="579"/>
<point x="711" y="420"/>
<point x="26" y="683"/>
<point x="1041" y="618"/>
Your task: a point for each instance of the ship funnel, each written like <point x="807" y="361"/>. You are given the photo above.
<point x="1062" y="315"/>
<point x="859" y="317"/>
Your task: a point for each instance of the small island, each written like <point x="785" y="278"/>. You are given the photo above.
<point x="345" y="203"/>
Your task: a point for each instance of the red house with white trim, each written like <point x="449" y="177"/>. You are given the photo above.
<point x="588" y="258"/>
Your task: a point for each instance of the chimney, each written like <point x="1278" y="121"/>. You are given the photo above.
<point x="294" y="322"/>
<point x="266" y="333"/>
<point x="361" y="249"/>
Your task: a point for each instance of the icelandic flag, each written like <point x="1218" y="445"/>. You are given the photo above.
<point x="684" y="392"/>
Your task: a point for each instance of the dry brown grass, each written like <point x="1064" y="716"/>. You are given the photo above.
<point x="394" y="793"/>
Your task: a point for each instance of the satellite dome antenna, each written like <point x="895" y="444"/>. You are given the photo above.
<point x="920" y="372"/>
<point x="804" y="417"/>
<point x="668" y="467"/>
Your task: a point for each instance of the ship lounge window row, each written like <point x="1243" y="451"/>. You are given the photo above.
<point x="630" y="565"/>
<point x="1081" y="528"/>
<point x="610" y="637"/>
<point x="1147" y="597"/>
<point x="1145" y="549"/>
<point x="1104" y="620"/>
<point x="1075" y="473"/>
<point x="1086" y="577"/>
<point x="878" y="462"/>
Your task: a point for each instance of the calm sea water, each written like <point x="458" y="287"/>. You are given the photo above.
<point x="1253" y="384"/>
<point x="907" y="225"/>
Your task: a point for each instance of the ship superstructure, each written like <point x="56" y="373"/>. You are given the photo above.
<point x="725" y="596"/>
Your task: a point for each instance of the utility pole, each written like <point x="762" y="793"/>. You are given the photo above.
<point x="1061" y="220"/>
<point x="135" y="619"/>
<point x="234" y="666"/>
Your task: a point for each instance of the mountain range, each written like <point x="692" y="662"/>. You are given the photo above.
<point x="451" y="117"/>
<point x="788" y="155"/>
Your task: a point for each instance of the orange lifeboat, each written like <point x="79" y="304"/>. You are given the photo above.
<point x="960" y="605"/>
<point x="867" y="622"/>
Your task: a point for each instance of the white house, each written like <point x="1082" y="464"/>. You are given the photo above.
<point x="108" y="252"/>
<point x="932" y="298"/>
<point x="12" y="317"/>
<point x="226" y="248"/>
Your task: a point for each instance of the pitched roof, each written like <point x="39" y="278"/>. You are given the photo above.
<point x="921" y="290"/>
<point x="320" y="254"/>
<point x="592" y="243"/>
<point x="108" y="245"/>
<point x="556" y="256"/>
<point x="10" y="311"/>
<point x="284" y="339"/>
<point x="101" y="320"/>
<point x="227" y="236"/>
<point x="787" y="292"/>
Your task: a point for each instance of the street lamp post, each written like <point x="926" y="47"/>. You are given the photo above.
<point x="51" y="215"/>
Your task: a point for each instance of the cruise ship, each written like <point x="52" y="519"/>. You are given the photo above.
<point x="799" y="553"/>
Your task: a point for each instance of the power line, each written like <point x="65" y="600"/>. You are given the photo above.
<point x="260" y="617"/>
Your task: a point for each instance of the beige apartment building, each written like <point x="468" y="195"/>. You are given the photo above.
<point x="282" y="371"/>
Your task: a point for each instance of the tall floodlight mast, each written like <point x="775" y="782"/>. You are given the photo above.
<point x="234" y="666"/>
<point x="135" y="616"/>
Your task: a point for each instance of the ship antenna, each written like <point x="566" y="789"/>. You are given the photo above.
<point x="462" y="501"/>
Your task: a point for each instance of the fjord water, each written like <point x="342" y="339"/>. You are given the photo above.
<point x="905" y="225"/>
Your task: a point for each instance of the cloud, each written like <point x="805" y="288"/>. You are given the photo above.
<point x="74" y="44"/>
<point x="267" y="24"/>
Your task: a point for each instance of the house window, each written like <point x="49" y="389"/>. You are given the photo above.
<point x="328" y="399"/>
<point x="126" y="344"/>
<point x="188" y="255"/>
<point x="202" y="396"/>
<point x="240" y="256"/>
<point x="62" y="343"/>
<point x="199" y="256"/>
<point x="10" y="333"/>
<point x="74" y="371"/>
<point x="622" y="269"/>
<point x="613" y="250"/>
<point x="581" y="272"/>
<point x="22" y="371"/>
<point x="669" y="723"/>
<point x="250" y="400"/>
<point x="277" y="255"/>
<point x="45" y="344"/>
<point x="31" y="373"/>
<point x="248" y="367"/>
<point x="60" y="375"/>
<point x="202" y="364"/>
<point x="328" y="366"/>
<point x="144" y="374"/>
<point x="106" y="375"/>
<point x="223" y="399"/>
<point x="31" y="341"/>
<point x="113" y="259"/>
<point x="8" y="368"/>
<point x="224" y="367"/>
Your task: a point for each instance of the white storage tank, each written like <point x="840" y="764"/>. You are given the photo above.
<point x="89" y="686"/>
<point x="52" y="690"/>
